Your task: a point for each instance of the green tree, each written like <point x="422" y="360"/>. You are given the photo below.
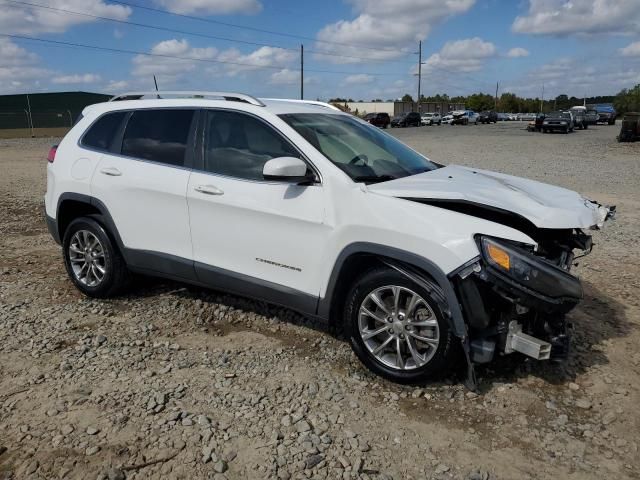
<point x="628" y="100"/>
<point x="407" y="98"/>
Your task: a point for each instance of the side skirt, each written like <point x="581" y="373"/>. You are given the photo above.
<point x="202" y="275"/>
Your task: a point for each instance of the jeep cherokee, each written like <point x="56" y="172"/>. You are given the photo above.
<point x="298" y="204"/>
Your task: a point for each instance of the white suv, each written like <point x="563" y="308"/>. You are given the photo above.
<point x="299" y="204"/>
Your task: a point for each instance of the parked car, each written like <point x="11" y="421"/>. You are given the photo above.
<point x="448" y="118"/>
<point x="561" y="121"/>
<point x="591" y="116"/>
<point x="408" y="119"/>
<point x="431" y="119"/>
<point x="527" y="117"/>
<point x="380" y="119"/>
<point x="488" y="116"/>
<point x="227" y="191"/>
<point x="464" y="117"/>
<point x="630" y="128"/>
<point x="579" y="117"/>
<point x="606" y="112"/>
<point x="536" y="124"/>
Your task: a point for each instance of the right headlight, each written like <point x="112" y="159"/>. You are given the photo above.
<point x="527" y="270"/>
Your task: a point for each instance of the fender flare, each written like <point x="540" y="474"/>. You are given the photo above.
<point x="107" y="219"/>
<point x="406" y="263"/>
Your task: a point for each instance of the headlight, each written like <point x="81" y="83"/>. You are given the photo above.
<point x="527" y="270"/>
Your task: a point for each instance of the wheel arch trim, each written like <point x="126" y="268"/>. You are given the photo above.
<point x="101" y="207"/>
<point x="406" y="263"/>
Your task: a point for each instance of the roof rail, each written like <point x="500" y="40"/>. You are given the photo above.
<point x="229" y="96"/>
<point x="310" y="102"/>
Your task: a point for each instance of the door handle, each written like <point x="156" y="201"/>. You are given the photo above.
<point x="111" y="171"/>
<point x="208" y="190"/>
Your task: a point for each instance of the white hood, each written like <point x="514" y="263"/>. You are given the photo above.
<point x="544" y="205"/>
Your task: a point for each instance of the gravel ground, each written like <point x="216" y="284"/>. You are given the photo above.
<point x="173" y="381"/>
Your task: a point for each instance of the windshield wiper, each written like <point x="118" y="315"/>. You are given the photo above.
<point x="373" y="178"/>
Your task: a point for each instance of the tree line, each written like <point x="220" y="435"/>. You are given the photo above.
<point x="626" y="100"/>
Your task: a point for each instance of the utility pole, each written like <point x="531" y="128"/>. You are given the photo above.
<point x="419" y="72"/>
<point x="496" y="97"/>
<point x="301" y="71"/>
<point x="542" y="100"/>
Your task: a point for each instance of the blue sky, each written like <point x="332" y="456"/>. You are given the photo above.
<point x="361" y="49"/>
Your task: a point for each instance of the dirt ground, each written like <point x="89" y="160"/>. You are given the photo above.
<point x="172" y="381"/>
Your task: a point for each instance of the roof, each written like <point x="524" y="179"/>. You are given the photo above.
<point x="240" y="101"/>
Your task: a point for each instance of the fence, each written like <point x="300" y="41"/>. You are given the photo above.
<point x="39" y="123"/>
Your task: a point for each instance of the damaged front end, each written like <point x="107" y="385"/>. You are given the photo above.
<point x="515" y="297"/>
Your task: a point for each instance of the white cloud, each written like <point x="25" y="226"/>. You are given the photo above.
<point x="169" y="70"/>
<point x="567" y="17"/>
<point x="260" y="58"/>
<point x="19" y="68"/>
<point x="25" y="19"/>
<point x="468" y="55"/>
<point x="358" y="79"/>
<point x="212" y="7"/>
<point x="76" y="78"/>
<point x="387" y="28"/>
<point x="518" y="52"/>
<point x="285" y="77"/>
<point x="116" y="86"/>
<point x="631" y="50"/>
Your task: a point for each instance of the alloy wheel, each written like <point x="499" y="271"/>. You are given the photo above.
<point x="398" y="327"/>
<point x="87" y="258"/>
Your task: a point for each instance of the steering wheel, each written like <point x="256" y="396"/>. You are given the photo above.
<point x="357" y="158"/>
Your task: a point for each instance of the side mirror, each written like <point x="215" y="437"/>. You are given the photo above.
<point x="287" y="169"/>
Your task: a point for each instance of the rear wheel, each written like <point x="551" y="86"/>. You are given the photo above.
<point x="396" y="328"/>
<point x="93" y="262"/>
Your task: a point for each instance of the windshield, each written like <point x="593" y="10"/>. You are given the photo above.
<point x="363" y="152"/>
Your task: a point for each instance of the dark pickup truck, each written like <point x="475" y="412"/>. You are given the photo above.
<point x="606" y="112"/>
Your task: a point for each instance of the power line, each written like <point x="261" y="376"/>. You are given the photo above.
<point x="195" y="34"/>
<point x="195" y="59"/>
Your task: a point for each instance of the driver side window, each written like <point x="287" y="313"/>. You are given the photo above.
<point x="238" y="145"/>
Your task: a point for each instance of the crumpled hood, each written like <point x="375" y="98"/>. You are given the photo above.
<point x="544" y="205"/>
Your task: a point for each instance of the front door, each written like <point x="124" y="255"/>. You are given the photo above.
<point x="248" y="233"/>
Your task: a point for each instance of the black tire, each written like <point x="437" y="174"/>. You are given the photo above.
<point x="443" y="358"/>
<point x="116" y="276"/>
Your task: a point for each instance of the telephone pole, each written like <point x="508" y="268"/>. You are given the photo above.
<point x="301" y="71"/>
<point x="496" y="97"/>
<point x="419" y="72"/>
<point x="542" y="100"/>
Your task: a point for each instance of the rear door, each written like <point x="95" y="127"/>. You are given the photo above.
<point x="256" y="237"/>
<point x="143" y="183"/>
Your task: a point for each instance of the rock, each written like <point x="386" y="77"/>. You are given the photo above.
<point x="115" y="474"/>
<point x="574" y="386"/>
<point x="220" y="466"/>
<point x="442" y="468"/>
<point x="32" y="467"/>
<point x="312" y="461"/>
<point x="303" y="426"/>
<point x="608" y="418"/>
<point x="92" y="430"/>
<point x="67" y="429"/>
<point x="92" y="450"/>
<point x="229" y="456"/>
<point x="583" y="402"/>
<point x="187" y="422"/>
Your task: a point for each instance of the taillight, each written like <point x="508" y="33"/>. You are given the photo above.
<point x="52" y="154"/>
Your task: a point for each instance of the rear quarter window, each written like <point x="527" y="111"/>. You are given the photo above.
<point x="101" y="134"/>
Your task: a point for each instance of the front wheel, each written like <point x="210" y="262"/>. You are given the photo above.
<point x="93" y="262"/>
<point x="397" y="328"/>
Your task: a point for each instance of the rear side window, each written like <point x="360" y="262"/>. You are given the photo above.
<point x="158" y="135"/>
<point x="101" y="134"/>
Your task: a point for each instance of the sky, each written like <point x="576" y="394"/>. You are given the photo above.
<point x="360" y="49"/>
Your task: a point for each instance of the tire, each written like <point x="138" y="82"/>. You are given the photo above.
<point x="107" y="257"/>
<point x="438" y="358"/>
<point x="566" y="130"/>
